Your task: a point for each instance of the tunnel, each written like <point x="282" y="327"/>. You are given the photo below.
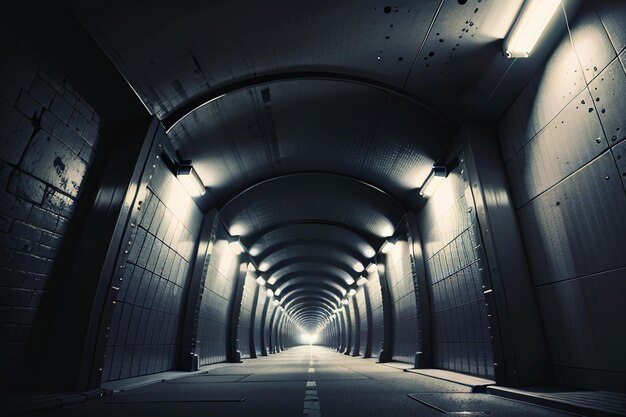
<point x="313" y="208"/>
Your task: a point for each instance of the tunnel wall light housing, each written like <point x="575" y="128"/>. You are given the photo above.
<point x="237" y="246"/>
<point x="527" y="29"/>
<point x="433" y="180"/>
<point x="190" y="179"/>
<point x="387" y="246"/>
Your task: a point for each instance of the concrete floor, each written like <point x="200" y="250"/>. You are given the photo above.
<point x="311" y="381"/>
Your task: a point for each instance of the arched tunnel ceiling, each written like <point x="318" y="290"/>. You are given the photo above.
<point x="312" y="124"/>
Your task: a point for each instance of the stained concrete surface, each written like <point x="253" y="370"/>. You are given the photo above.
<point x="276" y="386"/>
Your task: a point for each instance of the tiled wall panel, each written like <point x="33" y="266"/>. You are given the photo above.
<point x="568" y="177"/>
<point x="215" y="308"/>
<point x="362" y="307"/>
<point x="146" y="318"/>
<point x="455" y="275"/>
<point x="400" y="278"/>
<point x="245" y="314"/>
<point x="258" y="322"/>
<point x="374" y="291"/>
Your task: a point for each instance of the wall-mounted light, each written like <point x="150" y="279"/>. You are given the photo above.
<point x="435" y="177"/>
<point x="190" y="179"/>
<point x="361" y="281"/>
<point x="387" y="246"/>
<point x="236" y="245"/>
<point x="261" y="281"/>
<point x="527" y="29"/>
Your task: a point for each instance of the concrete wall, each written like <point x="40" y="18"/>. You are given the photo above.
<point x="562" y="141"/>
<point x="258" y="322"/>
<point x="48" y="133"/>
<point x="454" y="260"/>
<point x="246" y="315"/>
<point x="376" y="302"/>
<point x="360" y="298"/>
<point x="399" y="273"/>
<point x="145" y="327"/>
<point x="215" y="309"/>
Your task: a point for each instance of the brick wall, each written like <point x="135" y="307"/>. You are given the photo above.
<point x="48" y="134"/>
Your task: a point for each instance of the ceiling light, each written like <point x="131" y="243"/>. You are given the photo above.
<point x="358" y="267"/>
<point x="269" y="293"/>
<point x="237" y="246"/>
<point x="260" y="281"/>
<point x="361" y="281"/>
<point x="435" y="177"/>
<point x="264" y="266"/>
<point x="190" y="179"/>
<point x="351" y="292"/>
<point x="527" y="29"/>
<point x="278" y="291"/>
<point x="371" y="267"/>
<point x="276" y="303"/>
<point x="350" y="281"/>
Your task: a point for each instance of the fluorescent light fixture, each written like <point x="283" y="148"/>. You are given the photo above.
<point x="190" y="179"/>
<point x="387" y="246"/>
<point x="261" y="281"/>
<point x="276" y="303"/>
<point x="435" y="177"/>
<point x="361" y="281"/>
<point x="527" y="29"/>
<point x="351" y="292"/>
<point x="237" y="246"/>
<point x="371" y="267"/>
<point x="269" y="293"/>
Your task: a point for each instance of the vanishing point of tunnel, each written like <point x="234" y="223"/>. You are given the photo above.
<point x="313" y="208"/>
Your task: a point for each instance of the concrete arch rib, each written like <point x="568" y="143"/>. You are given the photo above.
<point x="178" y="114"/>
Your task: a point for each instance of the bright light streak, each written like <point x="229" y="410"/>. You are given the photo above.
<point x="387" y="247"/>
<point x="190" y="180"/>
<point x="237" y="246"/>
<point x="264" y="266"/>
<point x="358" y="267"/>
<point x="532" y="21"/>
